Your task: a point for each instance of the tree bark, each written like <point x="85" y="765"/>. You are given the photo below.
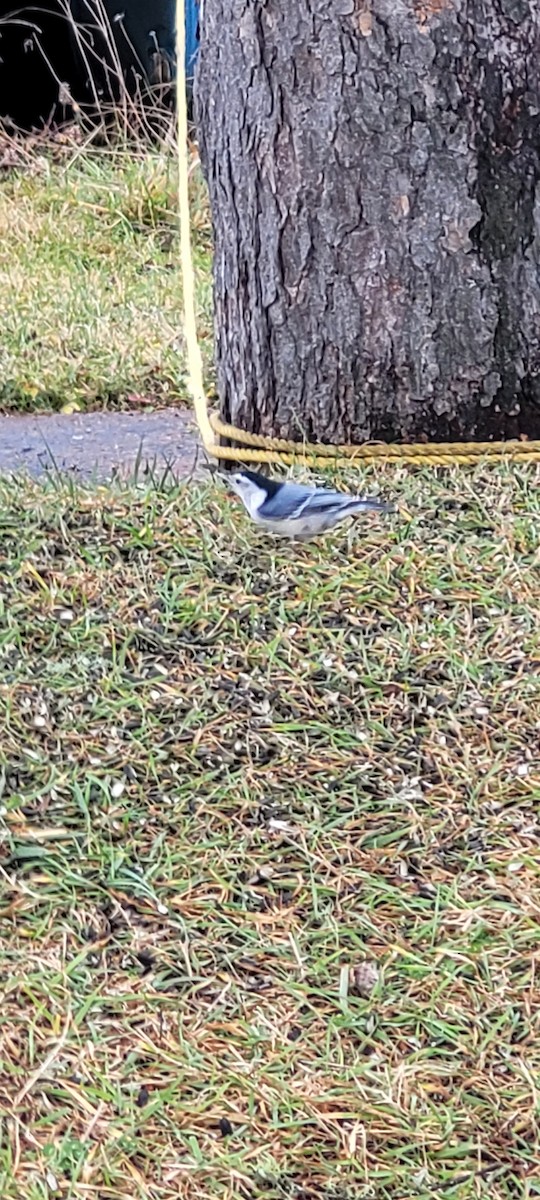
<point x="373" y="168"/>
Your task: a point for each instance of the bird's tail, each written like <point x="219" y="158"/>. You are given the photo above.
<point x="367" y="504"/>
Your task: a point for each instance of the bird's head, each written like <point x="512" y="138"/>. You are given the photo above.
<point x="240" y="483"/>
<point x="252" y="488"/>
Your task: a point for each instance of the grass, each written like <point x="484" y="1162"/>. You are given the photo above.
<point x="270" y="876"/>
<point x="89" y="276"/>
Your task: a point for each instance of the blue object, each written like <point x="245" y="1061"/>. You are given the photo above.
<point x="192" y="38"/>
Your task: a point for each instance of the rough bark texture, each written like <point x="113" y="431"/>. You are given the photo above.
<point x="374" y="173"/>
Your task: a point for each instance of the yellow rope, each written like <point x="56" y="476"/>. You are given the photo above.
<point x="254" y="448"/>
<point x="194" y="357"/>
<point x="422" y="453"/>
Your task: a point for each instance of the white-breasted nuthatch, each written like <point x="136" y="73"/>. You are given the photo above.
<point x="295" y="511"/>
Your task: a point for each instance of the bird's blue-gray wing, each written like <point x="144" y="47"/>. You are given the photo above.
<point x="293" y="501"/>
<point x="289" y="502"/>
<point x="322" y="500"/>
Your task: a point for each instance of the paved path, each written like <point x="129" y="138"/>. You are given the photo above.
<point x="101" y="444"/>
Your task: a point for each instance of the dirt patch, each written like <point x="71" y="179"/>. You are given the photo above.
<point x="100" y="445"/>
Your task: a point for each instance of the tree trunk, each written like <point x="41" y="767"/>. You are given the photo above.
<point x="373" y="168"/>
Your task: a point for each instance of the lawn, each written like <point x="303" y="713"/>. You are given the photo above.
<point x="91" y="300"/>
<point x="271" y="893"/>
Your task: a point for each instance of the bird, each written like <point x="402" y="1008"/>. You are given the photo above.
<point x="294" y="511"/>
